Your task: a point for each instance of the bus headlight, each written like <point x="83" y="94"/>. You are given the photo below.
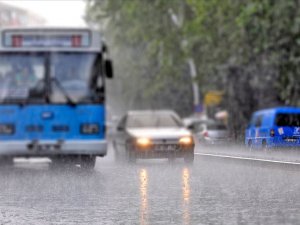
<point x="90" y="128"/>
<point x="7" y="129"/>
<point x="187" y="141"/>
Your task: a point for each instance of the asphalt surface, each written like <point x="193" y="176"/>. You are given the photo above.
<point x="211" y="191"/>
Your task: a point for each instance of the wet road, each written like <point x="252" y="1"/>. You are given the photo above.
<point x="150" y="192"/>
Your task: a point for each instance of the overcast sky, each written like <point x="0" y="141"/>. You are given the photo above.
<point x="56" y="12"/>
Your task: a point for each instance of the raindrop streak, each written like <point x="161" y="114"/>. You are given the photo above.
<point x="186" y="195"/>
<point x="144" y="197"/>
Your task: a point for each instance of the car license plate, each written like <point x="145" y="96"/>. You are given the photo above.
<point x="166" y="147"/>
<point x="290" y="140"/>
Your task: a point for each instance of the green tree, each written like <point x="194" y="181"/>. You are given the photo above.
<point x="248" y="49"/>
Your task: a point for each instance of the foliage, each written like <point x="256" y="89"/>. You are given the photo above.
<point x="248" y="49"/>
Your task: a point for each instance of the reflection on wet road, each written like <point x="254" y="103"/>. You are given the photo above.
<point x="150" y="192"/>
<point x="144" y="197"/>
<point x="186" y="195"/>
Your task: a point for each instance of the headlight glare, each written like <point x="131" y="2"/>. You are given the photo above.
<point x="143" y="142"/>
<point x="186" y="140"/>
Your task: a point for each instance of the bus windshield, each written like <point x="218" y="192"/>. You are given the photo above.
<point x="73" y="71"/>
<point x="22" y="72"/>
<point x="18" y="73"/>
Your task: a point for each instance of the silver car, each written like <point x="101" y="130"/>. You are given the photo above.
<point x="153" y="134"/>
<point x="210" y="132"/>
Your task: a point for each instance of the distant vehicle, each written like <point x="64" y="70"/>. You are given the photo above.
<point x="276" y="127"/>
<point x="52" y="94"/>
<point x="153" y="134"/>
<point x="210" y="132"/>
<point x="190" y="121"/>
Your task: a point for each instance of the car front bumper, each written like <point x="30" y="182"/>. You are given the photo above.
<point x="152" y="153"/>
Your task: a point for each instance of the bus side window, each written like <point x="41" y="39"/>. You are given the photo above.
<point x="258" y="121"/>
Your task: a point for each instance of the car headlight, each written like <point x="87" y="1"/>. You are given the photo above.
<point x="90" y="128"/>
<point x="8" y="129"/>
<point x="143" y="142"/>
<point x="186" y="140"/>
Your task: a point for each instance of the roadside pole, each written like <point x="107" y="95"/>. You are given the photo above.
<point x="195" y="87"/>
<point x="177" y="20"/>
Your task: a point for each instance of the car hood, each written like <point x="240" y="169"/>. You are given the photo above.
<point x="158" y="133"/>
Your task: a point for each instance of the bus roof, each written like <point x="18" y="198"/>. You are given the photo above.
<point x="41" y="39"/>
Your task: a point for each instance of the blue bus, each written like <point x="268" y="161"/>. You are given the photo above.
<point x="274" y="128"/>
<point x="52" y="94"/>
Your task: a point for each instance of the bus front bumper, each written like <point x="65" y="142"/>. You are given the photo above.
<point x="50" y="148"/>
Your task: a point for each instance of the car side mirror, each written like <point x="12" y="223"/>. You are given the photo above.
<point x="119" y="128"/>
<point x="190" y="127"/>
<point x="108" y="67"/>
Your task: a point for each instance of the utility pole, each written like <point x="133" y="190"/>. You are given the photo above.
<point x="193" y="74"/>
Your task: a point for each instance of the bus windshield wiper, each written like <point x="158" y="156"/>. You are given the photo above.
<point x="63" y="91"/>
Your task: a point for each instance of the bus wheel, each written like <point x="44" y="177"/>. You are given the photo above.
<point x="63" y="162"/>
<point x="87" y="162"/>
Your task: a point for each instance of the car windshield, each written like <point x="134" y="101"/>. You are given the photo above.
<point x="216" y="126"/>
<point x="288" y="119"/>
<point x="153" y="120"/>
<point x="18" y="73"/>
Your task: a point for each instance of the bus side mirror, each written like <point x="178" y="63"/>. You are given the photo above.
<point x="108" y="66"/>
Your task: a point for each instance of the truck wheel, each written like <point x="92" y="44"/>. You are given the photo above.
<point x="264" y="146"/>
<point x="250" y="146"/>
<point x="189" y="158"/>
<point x="87" y="162"/>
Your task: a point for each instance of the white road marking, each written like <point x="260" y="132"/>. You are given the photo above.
<point x="250" y="159"/>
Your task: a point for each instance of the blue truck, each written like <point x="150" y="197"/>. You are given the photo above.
<point x="274" y="128"/>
